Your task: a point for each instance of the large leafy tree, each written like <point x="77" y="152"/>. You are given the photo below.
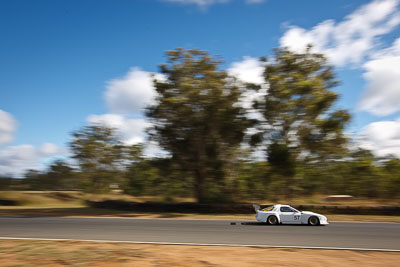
<point x="300" y="119"/>
<point x="61" y="176"/>
<point x="196" y="117"/>
<point x="100" y="155"/>
<point x="96" y="147"/>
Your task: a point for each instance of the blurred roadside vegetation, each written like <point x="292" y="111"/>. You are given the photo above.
<point x="288" y="143"/>
<point x="364" y="176"/>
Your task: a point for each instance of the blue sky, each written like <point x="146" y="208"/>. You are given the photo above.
<point x="67" y="63"/>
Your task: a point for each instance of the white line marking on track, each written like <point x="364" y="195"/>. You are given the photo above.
<point x="195" y="244"/>
<point x="363" y="222"/>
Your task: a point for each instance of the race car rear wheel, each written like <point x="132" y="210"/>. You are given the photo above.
<point x="272" y="220"/>
<point x="313" y="221"/>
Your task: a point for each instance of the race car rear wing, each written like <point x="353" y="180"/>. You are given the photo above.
<point x="256" y="207"/>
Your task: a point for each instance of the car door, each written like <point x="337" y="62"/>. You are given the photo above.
<point x="290" y="215"/>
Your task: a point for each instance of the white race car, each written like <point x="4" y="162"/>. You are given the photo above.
<point x="284" y="214"/>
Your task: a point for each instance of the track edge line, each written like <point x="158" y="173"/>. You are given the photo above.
<point x="196" y="244"/>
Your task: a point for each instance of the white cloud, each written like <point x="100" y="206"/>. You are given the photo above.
<point x="382" y="95"/>
<point x="356" y="40"/>
<point x="15" y="160"/>
<point x="382" y="137"/>
<point x="131" y="130"/>
<point x="132" y="93"/>
<point x="248" y="70"/>
<point x="48" y="149"/>
<point x="254" y="1"/>
<point x="200" y="3"/>
<point x="205" y="3"/>
<point x="129" y="96"/>
<point x="351" y="40"/>
<point x="8" y="125"/>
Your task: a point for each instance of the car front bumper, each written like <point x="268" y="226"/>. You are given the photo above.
<point x="323" y="221"/>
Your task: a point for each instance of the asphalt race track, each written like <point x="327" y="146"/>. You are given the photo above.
<point x="337" y="234"/>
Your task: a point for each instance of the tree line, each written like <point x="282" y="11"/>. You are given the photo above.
<point x="290" y="142"/>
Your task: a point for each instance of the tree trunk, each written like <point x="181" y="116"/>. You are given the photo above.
<point x="289" y="188"/>
<point x="199" y="185"/>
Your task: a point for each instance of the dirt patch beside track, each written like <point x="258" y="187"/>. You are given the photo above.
<point x="77" y="253"/>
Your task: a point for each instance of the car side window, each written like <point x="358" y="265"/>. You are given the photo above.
<point x="286" y="209"/>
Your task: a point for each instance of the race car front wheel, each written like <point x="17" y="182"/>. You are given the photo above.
<point x="272" y="220"/>
<point x="313" y="221"/>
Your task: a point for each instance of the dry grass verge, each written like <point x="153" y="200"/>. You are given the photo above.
<point x="82" y="211"/>
<point x="73" y="204"/>
<point x="76" y="253"/>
